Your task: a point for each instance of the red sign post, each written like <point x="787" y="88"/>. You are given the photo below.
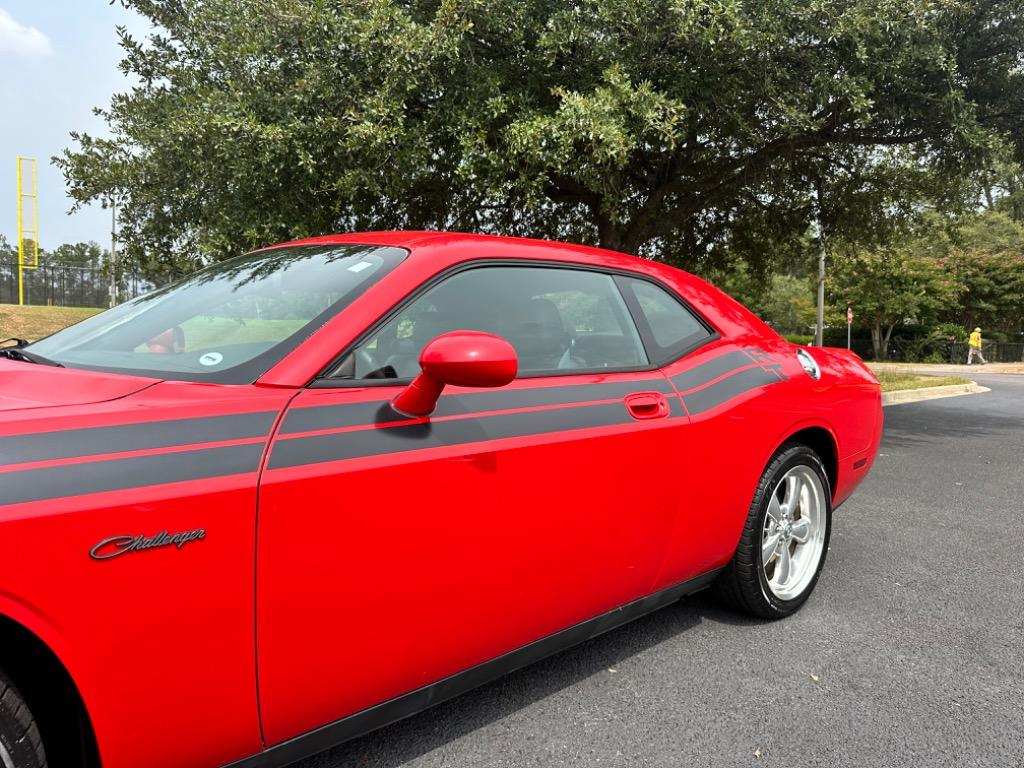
<point x="849" y="325"/>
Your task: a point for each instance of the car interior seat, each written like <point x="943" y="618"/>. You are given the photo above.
<point x="536" y="329"/>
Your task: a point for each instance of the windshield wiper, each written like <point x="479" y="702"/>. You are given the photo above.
<point x="18" y="352"/>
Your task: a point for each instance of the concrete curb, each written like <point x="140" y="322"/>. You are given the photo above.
<point x="902" y="396"/>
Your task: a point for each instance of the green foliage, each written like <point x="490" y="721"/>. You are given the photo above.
<point x="77" y="255"/>
<point x="687" y="131"/>
<point x="739" y="280"/>
<point x="992" y="288"/>
<point x="886" y="286"/>
<point x="949" y="331"/>
<point x="984" y="253"/>
<point x="947" y="274"/>
<point x="8" y="252"/>
<point x="790" y="305"/>
<point x="799" y="338"/>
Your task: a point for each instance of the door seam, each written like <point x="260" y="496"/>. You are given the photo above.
<point x="264" y="458"/>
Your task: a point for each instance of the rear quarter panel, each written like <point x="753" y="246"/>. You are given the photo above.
<point x="731" y="442"/>
<point x="850" y="397"/>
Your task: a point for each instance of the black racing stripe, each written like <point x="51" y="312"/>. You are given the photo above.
<point x="318" y="417"/>
<point x="711" y="370"/>
<point x="119" y="474"/>
<point x="675" y="407"/>
<point x="434" y="434"/>
<point x="726" y="389"/>
<point x="92" y="441"/>
<point x="361" y="414"/>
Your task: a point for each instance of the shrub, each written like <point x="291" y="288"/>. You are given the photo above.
<point x="798" y="338"/>
<point x="947" y="330"/>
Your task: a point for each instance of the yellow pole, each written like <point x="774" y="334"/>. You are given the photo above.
<point x="21" y="243"/>
<point x="23" y="263"/>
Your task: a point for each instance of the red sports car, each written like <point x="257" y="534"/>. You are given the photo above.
<point x="320" y="487"/>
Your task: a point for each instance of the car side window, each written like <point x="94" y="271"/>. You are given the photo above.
<point x="673" y="329"/>
<point x="557" y="319"/>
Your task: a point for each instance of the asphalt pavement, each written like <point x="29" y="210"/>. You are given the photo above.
<point x="909" y="653"/>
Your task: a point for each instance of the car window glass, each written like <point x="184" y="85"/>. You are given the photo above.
<point x="673" y="328"/>
<point x="228" y="323"/>
<point x="557" y="320"/>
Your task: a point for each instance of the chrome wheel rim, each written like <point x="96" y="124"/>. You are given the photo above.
<point x="793" y="537"/>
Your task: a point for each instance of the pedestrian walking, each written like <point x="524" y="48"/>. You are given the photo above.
<point x="974" y="347"/>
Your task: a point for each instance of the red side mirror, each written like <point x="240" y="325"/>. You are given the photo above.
<point x="460" y="358"/>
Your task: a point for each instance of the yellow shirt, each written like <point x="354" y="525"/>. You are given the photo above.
<point x="975" y="340"/>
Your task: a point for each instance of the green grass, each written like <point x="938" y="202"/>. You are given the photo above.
<point x="893" y="381"/>
<point x="33" y="323"/>
<point x="205" y="332"/>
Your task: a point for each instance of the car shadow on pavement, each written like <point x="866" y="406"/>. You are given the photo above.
<point x="397" y="744"/>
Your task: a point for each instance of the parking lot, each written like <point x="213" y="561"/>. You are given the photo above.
<point x="909" y="652"/>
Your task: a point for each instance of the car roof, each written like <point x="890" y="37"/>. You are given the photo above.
<point x="416" y="239"/>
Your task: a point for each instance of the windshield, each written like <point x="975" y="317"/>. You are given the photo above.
<point x="228" y="323"/>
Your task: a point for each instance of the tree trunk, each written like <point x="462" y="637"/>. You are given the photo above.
<point x="608" y="234"/>
<point x="885" y="341"/>
<point x="876" y="341"/>
<point x="1016" y="209"/>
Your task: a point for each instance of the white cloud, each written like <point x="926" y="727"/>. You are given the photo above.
<point x="20" y="40"/>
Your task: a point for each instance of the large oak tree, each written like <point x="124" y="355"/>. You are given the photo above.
<point x="661" y="127"/>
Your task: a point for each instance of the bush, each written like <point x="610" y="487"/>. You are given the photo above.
<point x="798" y="338"/>
<point x="949" y="330"/>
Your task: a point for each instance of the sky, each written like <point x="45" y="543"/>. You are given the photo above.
<point x="58" y="60"/>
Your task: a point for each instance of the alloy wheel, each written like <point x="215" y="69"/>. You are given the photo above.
<point x="793" y="537"/>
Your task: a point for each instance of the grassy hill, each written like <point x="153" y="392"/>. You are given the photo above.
<point x="33" y="323"/>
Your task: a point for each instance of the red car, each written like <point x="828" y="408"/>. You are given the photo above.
<point x="315" y="489"/>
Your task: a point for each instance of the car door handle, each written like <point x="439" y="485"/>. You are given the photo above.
<point x="647" y="405"/>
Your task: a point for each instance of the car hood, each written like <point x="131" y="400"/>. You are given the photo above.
<point x="29" y="385"/>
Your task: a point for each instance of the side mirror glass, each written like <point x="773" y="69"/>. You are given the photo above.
<point x="459" y="358"/>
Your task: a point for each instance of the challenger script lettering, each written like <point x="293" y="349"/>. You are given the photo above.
<point x="122" y="545"/>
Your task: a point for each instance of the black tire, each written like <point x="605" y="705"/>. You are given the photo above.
<point x="743" y="584"/>
<point x="19" y="736"/>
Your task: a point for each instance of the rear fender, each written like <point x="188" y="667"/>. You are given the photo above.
<point x="794" y="430"/>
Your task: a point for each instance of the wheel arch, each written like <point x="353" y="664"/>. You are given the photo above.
<point x="51" y="694"/>
<point x="820" y="439"/>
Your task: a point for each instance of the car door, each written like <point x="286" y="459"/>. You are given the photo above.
<point x="393" y="553"/>
<point x="720" y="380"/>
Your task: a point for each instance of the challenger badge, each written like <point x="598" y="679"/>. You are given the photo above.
<point x="122" y="545"/>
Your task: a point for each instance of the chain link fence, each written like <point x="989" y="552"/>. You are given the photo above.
<point x="66" y="286"/>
